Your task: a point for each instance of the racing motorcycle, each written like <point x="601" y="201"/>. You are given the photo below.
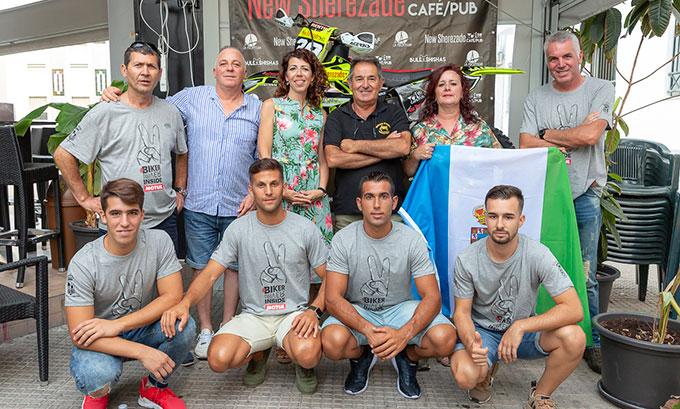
<point x="405" y="88"/>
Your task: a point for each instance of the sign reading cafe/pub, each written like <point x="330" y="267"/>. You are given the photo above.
<point x="412" y="34"/>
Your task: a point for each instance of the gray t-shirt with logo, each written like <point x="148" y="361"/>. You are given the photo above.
<point x="135" y="144"/>
<point x="503" y="293"/>
<point x="379" y="270"/>
<point x="548" y="108"/>
<point x="120" y="285"/>
<point x="273" y="261"/>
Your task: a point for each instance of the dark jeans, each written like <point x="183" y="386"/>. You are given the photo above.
<point x="168" y="225"/>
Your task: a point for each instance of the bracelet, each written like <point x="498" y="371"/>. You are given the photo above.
<point x="325" y="193"/>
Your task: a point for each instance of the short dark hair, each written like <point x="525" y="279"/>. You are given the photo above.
<point x="127" y="190"/>
<point x="262" y="165"/>
<point x="142" y="48"/>
<point x="505" y="192"/>
<point x="377" y="176"/>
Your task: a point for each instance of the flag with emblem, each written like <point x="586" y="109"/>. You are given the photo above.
<point x="446" y="204"/>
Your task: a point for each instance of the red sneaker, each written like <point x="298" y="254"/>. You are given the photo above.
<point x="95" y="403"/>
<point x="158" y="398"/>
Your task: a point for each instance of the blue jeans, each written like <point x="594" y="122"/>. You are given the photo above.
<point x="169" y="225"/>
<point x="204" y="233"/>
<point x="93" y="371"/>
<point x="529" y="348"/>
<point x="589" y="220"/>
<point x="394" y="317"/>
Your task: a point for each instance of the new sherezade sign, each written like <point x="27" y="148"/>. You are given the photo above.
<point x="413" y="34"/>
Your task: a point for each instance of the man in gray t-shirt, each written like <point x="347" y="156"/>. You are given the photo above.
<point x="132" y="138"/>
<point x="116" y="290"/>
<point x="496" y="282"/>
<point x="275" y="250"/>
<point x="572" y="113"/>
<point x="370" y="272"/>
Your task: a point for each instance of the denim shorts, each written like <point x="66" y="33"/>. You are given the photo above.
<point x="203" y="234"/>
<point x="529" y="348"/>
<point x="394" y="317"/>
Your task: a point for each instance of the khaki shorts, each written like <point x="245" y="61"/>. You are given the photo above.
<point x="261" y="332"/>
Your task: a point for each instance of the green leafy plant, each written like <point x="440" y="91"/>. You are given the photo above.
<point x="663" y="309"/>
<point x="69" y="117"/>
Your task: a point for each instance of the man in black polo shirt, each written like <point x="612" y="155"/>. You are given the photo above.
<point x="362" y="137"/>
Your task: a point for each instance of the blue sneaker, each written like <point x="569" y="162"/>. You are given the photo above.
<point x="407" y="384"/>
<point x="357" y="380"/>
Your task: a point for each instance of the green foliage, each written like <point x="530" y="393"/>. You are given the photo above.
<point x="659" y="16"/>
<point x="666" y="302"/>
<point x="603" y="30"/>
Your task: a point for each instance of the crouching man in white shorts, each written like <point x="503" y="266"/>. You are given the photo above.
<point x="275" y="250"/>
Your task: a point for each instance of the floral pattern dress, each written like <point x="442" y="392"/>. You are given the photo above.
<point x="295" y="144"/>
<point x="473" y="134"/>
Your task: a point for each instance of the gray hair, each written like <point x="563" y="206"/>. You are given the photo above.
<point x="560" y="37"/>
<point x="365" y="59"/>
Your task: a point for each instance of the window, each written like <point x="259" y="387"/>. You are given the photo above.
<point x="601" y="68"/>
<point x="674" y="74"/>
<point x="35" y="102"/>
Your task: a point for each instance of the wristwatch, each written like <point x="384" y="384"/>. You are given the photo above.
<point x="182" y="191"/>
<point x="318" y="311"/>
<point x="541" y="133"/>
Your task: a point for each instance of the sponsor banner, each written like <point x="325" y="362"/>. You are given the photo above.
<point x="413" y="34"/>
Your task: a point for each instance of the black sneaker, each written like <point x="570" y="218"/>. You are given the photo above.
<point x="189" y="359"/>
<point x="407" y="384"/>
<point x="357" y="380"/>
<point x="593" y="357"/>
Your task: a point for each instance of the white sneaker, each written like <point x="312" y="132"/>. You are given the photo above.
<point x="202" y="343"/>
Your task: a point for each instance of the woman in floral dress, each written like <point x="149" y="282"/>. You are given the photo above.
<point x="447" y="118"/>
<point x="291" y="132"/>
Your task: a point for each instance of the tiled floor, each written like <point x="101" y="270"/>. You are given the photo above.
<point x="201" y="388"/>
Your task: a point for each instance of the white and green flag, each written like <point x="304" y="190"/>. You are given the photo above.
<point x="446" y="204"/>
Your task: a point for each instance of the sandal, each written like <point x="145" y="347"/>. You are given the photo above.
<point x="444" y="360"/>
<point x="282" y="357"/>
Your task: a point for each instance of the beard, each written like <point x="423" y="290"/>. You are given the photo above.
<point x="508" y="238"/>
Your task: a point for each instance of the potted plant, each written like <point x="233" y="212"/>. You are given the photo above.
<point x="69" y="117"/>
<point x="641" y="354"/>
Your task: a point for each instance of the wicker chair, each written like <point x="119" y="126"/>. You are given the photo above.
<point x="15" y="305"/>
<point x="13" y="171"/>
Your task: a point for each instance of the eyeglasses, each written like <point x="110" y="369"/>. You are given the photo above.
<point x="141" y="44"/>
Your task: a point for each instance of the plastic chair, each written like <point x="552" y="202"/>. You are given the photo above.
<point x="647" y="168"/>
<point x="15" y="305"/>
<point x="13" y="171"/>
<point x="648" y="195"/>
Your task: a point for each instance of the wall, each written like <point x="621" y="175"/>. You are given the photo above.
<point x="19" y="82"/>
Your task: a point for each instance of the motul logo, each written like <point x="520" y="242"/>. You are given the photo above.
<point x="275" y="307"/>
